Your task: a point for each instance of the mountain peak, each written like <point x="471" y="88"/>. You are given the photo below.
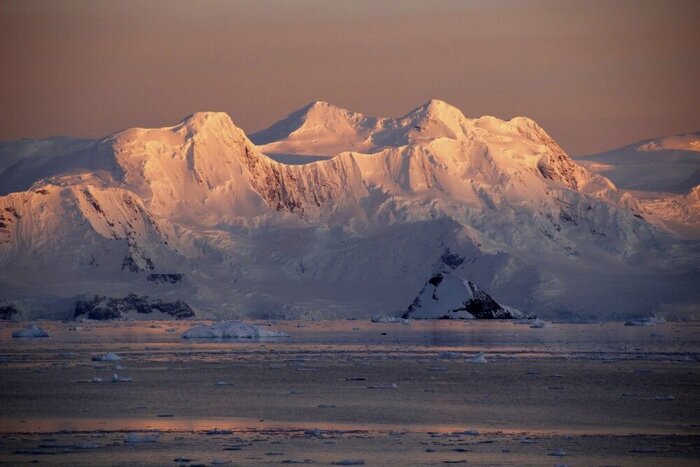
<point x="439" y="105"/>
<point x="199" y="120"/>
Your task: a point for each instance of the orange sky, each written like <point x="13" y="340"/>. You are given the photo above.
<point x="594" y="74"/>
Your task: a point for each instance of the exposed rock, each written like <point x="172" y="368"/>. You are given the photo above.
<point x="7" y="310"/>
<point x="172" y="278"/>
<point x="449" y="297"/>
<point x="105" y="308"/>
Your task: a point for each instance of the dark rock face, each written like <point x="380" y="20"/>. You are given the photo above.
<point x="105" y="308"/>
<point x="172" y="278"/>
<point x="451" y="260"/>
<point x="7" y="310"/>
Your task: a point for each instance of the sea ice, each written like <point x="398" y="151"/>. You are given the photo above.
<point x="645" y="321"/>
<point x="558" y="453"/>
<point x="108" y="357"/>
<point x="230" y="330"/>
<point x="30" y="331"/>
<point x="138" y="438"/>
<point x="388" y="319"/>
<point x="85" y="445"/>
<point x="539" y="324"/>
<point x="478" y="358"/>
<point x="117" y="379"/>
<point x="668" y="397"/>
<point x="383" y="386"/>
<point x="449" y="355"/>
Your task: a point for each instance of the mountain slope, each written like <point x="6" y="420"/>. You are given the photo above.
<point x="670" y="164"/>
<point x="664" y="173"/>
<point x="497" y="202"/>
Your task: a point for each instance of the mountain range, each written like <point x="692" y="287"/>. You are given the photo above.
<point x="331" y="213"/>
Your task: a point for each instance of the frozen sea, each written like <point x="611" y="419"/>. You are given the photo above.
<point x="351" y="392"/>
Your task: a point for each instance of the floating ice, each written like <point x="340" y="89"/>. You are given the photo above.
<point x="539" y="324"/>
<point x="108" y="357"/>
<point x="478" y="358"/>
<point x="467" y="432"/>
<point x="222" y="383"/>
<point x="645" y="321"/>
<point x="388" y="319"/>
<point x="85" y="445"/>
<point x="350" y="462"/>
<point x="137" y="438"/>
<point x="30" y="331"/>
<point x="326" y="406"/>
<point x="313" y="432"/>
<point x="449" y="355"/>
<point x="383" y="386"/>
<point x="216" y="431"/>
<point x="230" y="330"/>
<point x="668" y="397"/>
<point x="558" y="453"/>
<point x="117" y="379"/>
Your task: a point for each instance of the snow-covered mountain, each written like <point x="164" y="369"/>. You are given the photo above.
<point x="663" y="173"/>
<point x="398" y="200"/>
<point x="445" y="296"/>
<point x="670" y="164"/>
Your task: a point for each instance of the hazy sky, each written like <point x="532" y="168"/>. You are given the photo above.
<point x="594" y="74"/>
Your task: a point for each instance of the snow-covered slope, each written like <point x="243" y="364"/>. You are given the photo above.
<point x="496" y="202"/>
<point x="670" y="164"/>
<point x="663" y="173"/>
<point x="445" y="296"/>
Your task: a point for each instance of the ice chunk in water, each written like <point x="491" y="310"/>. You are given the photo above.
<point x="478" y="358"/>
<point x="137" y="438"/>
<point x="108" y="357"/>
<point x="230" y="330"/>
<point x="31" y="331"/>
<point x="117" y="379"/>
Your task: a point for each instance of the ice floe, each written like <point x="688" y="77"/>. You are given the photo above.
<point x="230" y="330"/>
<point x="557" y="453"/>
<point x="31" y="331"/>
<point x="118" y="379"/>
<point x="107" y="357"/>
<point x="539" y="324"/>
<point x="383" y="386"/>
<point x="139" y="438"/>
<point x="478" y="358"/>
<point x="388" y="319"/>
<point x="652" y="321"/>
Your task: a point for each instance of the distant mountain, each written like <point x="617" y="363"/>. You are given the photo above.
<point x="670" y="164"/>
<point x="398" y="200"/>
<point x="664" y="173"/>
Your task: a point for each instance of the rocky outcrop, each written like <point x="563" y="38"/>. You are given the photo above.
<point x="449" y="297"/>
<point x="7" y="310"/>
<point x="106" y="308"/>
<point x="171" y="278"/>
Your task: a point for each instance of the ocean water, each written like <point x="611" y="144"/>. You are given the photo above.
<point x="482" y="392"/>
